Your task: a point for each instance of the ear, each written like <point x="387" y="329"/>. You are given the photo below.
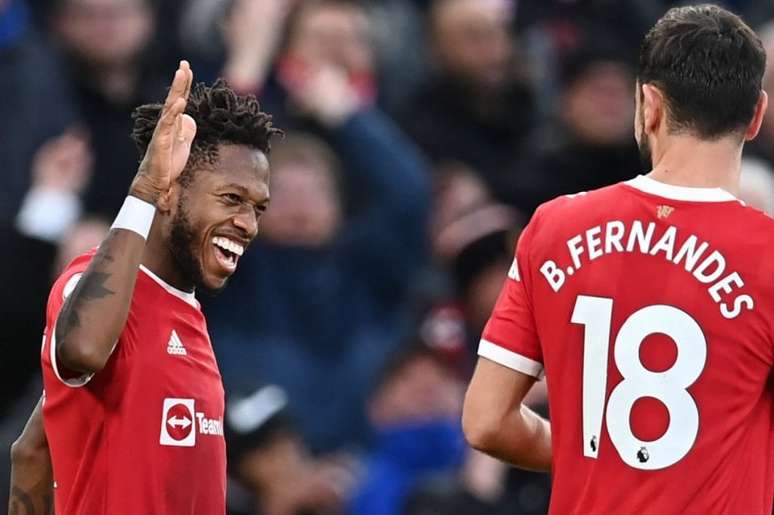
<point x="653" y="108"/>
<point x="757" y="120"/>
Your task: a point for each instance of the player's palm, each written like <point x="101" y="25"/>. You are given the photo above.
<point x="178" y="152"/>
<point x="170" y="146"/>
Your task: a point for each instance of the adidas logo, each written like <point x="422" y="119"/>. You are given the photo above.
<point x="175" y="346"/>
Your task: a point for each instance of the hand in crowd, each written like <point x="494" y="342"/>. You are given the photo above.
<point x="63" y="163"/>
<point x="484" y="476"/>
<point x="325" y="94"/>
<point x="295" y="482"/>
<point x="252" y="34"/>
<point x="326" y="486"/>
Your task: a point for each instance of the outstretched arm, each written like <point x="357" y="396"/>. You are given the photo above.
<point x="497" y="423"/>
<point x="390" y="167"/>
<point x="95" y="313"/>
<point x="31" y="476"/>
<point x="253" y="32"/>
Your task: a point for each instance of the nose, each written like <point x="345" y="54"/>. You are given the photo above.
<point x="247" y="221"/>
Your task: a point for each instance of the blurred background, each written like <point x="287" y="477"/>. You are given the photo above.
<point x="421" y="135"/>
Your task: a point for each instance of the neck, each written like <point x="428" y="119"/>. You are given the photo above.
<point x="158" y="259"/>
<point x="692" y="162"/>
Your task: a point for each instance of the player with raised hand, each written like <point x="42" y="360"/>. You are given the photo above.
<point x="648" y="305"/>
<point x="133" y="403"/>
<point x="94" y="314"/>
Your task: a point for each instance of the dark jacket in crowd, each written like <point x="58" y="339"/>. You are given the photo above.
<point x="35" y="106"/>
<point x="109" y="125"/>
<point x="25" y="276"/>
<point x="443" y="121"/>
<point x="524" y="493"/>
<point x="570" y="168"/>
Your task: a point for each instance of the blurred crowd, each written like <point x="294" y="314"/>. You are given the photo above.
<point x="421" y="135"/>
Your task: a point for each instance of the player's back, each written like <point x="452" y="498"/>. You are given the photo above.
<point x="654" y="309"/>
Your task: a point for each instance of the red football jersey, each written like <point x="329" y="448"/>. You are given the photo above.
<point x="650" y="309"/>
<point x="145" y="434"/>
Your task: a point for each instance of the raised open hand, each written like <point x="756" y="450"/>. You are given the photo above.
<point x="252" y="33"/>
<point x="324" y="93"/>
<point x="170" y="145"/>
<point x="63" y="163"/>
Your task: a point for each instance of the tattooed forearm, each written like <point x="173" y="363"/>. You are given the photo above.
<point x="37" y="501"/>
<point x="90" y="287"/>
<point x="31" y="474"/>
<point x="21" y="503"/>
<point x="94" y="286"/>
<point x="48" y="504"/>
<point x="93" y="316"/>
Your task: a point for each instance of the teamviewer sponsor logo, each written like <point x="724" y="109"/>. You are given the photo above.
<point x="177" y="423"/>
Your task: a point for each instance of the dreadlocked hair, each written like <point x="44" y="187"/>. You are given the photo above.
<point x="221" y="116"/>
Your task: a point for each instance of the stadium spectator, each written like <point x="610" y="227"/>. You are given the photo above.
<point x="252" y="34"/>
<point x="319" y="304"/>
<point x="593" y="145"/>
<point x="272" y="470"/>
<point x="244" y="37"/>
<point x="477" y="248"/>
<point x="323" y="40"/>
<point x="60" y="170"/>
<point x="757" y="184"/>
<point x="397" y="34"/>
<point x="86" y="234"/>
<point x="415" y="410"/>
<point x="108" y="45"/>
<point x="763" y="146"/>
<point x="475" y="108"/>
<point x="278" y="48"/>
<point x="458" y="190"/>
<point x="484" y="486"/>
<point x="36" y="105"/>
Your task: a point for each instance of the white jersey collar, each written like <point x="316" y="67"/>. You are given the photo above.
<point x="662" y="189"/>
<point x="188" y="297"/>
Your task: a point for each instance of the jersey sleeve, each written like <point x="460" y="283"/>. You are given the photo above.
<point x="510" y="336"/>
<point x="62" y="288"/>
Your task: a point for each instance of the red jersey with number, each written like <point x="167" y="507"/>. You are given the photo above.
<point x="145" y="434"/>
<point x="650" y="309"/>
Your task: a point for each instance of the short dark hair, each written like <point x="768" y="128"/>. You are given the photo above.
<point x="709" y="64"/>
<point x="221" y="116"/>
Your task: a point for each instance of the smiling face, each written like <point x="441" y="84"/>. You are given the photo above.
<point x="216" y="215"/>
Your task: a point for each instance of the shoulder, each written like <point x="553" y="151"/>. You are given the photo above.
<point x="755" y="216"/>
<point x="577" y="205"/>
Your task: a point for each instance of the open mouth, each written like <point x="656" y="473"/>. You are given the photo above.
<point x="227" y="252"/>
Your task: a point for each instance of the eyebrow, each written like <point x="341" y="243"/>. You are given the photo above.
<point x="244" y="191"/>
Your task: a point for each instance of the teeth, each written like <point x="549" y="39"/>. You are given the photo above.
<point x="229" y="245"/>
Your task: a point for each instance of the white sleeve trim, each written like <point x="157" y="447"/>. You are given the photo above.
<point x="510" y="359"/>
<point x="75" y="382"/>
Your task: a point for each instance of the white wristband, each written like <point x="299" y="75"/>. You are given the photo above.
<point x="135" y="215"/>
